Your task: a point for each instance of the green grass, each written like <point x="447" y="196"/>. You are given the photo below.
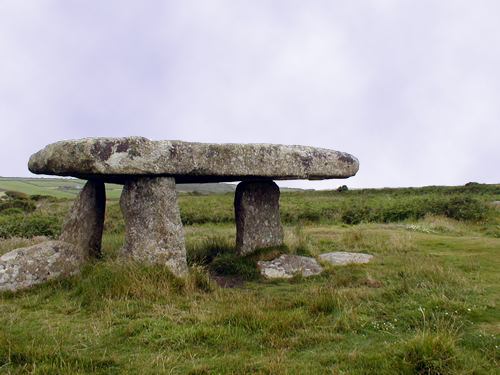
<point x="56" y="187"/>
<point x="70" y="187"/>
<point x="426" y="304"/>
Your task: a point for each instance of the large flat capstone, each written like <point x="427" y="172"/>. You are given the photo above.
<point x="117" y="159"/>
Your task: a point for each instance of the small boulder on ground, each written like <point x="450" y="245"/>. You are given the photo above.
<point x="28" y="266"/>
<point x="286" y="266"/>
<point x="343" y="257"/>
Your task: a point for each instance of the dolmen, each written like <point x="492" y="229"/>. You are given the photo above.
<point x="149" y="171"/>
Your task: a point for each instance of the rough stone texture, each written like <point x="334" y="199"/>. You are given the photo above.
<point x="113" y="159"/>
<point x="286" y="266"/>
<point x="257" y="211"/>
<point x="342" y="257"/>
<point x="154" y="232"/>
<point x="84" y="224"/>
<point x="25" y="267"/>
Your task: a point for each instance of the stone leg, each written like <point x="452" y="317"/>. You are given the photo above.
<point x="258" y="224"/>
<point x="79" y="241"/>
<point x="154" y="232"/>
<point x="85" y="222"/>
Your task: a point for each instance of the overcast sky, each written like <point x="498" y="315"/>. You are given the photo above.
<point x="411" y="88"/>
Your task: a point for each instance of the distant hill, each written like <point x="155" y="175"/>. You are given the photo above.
<point x="69" y="187"/>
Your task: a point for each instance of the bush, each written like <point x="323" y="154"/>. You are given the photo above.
<point x="16" y="195"/>
<point x="11" y="211"/>
<point x="460" y="207"/>
<point x="464" y="208"/>
<point x="28" y="226"/>
<point x="23" y="205"/>
<point x="40" y="197"/>
<point x="15" y="199"/>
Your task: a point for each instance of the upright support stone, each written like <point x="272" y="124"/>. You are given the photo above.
<point x="79" y="241"/>
<point x="85" y="222"/>
<point x="154" y="232"/>
<point x="258" y="225"/>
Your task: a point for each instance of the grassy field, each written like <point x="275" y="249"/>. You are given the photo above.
<point x="427" y="304"/>
<point x="56" y="187"/>
<point x="70" y="187"/>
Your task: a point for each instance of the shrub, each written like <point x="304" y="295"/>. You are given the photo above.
<point x="355" y="214"/>
<point x="40" y="197"/>
<point x="23" y="205"/>
<point x="11" y="211"/>
<point x="20" y="225"/>
<point x="464" y="208"/>
<point x="16" y="195"/>
<point x="458" y="207"/>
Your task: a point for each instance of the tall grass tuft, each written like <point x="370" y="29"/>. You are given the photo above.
<point x="125" y="280"/>
<point x="199" y="279"/>
<point x="205" y="251"/>
<point x="429" y="353"/>
<point x="218" y="254"/>
<point x="244" y="267"/>
<point x="299" y="242"/>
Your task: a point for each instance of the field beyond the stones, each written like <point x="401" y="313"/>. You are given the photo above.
<point x="426" y="304"/>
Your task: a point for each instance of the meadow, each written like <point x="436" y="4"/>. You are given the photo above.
<point x="426" y="304"/>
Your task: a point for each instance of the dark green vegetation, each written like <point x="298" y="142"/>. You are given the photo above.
<point x="427" y="304"/>
<point x="471" y="204"/>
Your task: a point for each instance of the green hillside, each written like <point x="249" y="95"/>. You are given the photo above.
<point x="57" y="187"/>
<point x="69" y="187"/>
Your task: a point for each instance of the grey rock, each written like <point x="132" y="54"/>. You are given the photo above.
<point x="25" y="267"/>
<point x="154" y="232"/>
<point x="343" y="257"/>
<point x="286" y="266"/>
<point x="113" y="159"/>
<point x="79" y="241"/>
<point x="84" y="224"/>
<point x="257" y="212"/>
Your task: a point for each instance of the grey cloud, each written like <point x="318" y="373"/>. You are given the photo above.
<point x="408" y="88"/>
